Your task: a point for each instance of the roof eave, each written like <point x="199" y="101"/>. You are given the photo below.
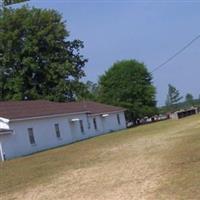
<point x="46" y="116"/>
<point x="111" y="112"/>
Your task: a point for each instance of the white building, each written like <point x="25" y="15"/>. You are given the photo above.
<point x="184" y="113"/>
<point x="31" y="126"/>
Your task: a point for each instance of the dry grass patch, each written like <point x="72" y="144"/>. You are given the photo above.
<point x="157" y="161"/>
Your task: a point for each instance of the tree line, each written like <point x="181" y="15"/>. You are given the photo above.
<point x="38" y="61"/>
<point x="175" y="101"/>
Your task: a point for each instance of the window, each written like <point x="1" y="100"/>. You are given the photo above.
<point x="118" y="119"/>
<point x="95" y="123"/>
<point x="57" y="130"/>
<point x="81" y="126"/>
<point x="31" y="136"/>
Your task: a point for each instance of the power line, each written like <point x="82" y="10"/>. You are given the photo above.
<point x="176" y="54"/>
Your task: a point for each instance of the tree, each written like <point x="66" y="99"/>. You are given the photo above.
<point x="36" y="59"/>
<point x="88" y="91"/>
<point x="189" y="99"/>
<point x="10" y="2"/>
<point x="173" y="96"/>
<point x="91" y="91"/>
<point x="128" y="84"/>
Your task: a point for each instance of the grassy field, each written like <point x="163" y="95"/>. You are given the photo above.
<point x="156" y="161"/>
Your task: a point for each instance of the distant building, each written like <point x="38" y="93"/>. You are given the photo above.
<point x="184" y="113"/>
<point x="31" y="126"/>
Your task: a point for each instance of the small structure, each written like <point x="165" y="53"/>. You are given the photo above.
<point x="27" y="127"/>
<point x="184" y="113"/>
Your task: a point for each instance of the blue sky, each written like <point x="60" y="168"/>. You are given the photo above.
<point x="149" y="31"/>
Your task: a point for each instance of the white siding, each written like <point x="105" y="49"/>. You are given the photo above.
<point x="18" y="144"/>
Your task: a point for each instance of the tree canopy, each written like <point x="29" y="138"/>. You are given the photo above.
<point x="128" y="84"/>
<point x="37" y="60"/>
<point x="88" y="91"/>
<point x="9" y="2"/>
<point x="189" y="99"/>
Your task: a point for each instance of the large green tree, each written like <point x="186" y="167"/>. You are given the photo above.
<point x="129" y="84"/>
<point x="37" y="60"/>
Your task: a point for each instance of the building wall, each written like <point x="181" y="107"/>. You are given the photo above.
<point x="107" y="124"/>
<point x="18" y="144"/>
<point x="110" y="123"/>
<point x="184" y="113"/>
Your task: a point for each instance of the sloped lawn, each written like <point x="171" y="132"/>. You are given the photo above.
<point x="156" y="161"/>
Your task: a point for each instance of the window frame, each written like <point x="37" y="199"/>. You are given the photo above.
<point x="81" y="126"/>
<point x="118" y="119"/>
<point x="31" y="136"/>
<point x="57" y="130"/>
<point x="95" y="123"/>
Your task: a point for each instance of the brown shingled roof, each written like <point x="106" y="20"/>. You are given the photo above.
<point x="38" y="108"/>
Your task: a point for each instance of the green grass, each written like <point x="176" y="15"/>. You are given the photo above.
<point x="166" y="155"/>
